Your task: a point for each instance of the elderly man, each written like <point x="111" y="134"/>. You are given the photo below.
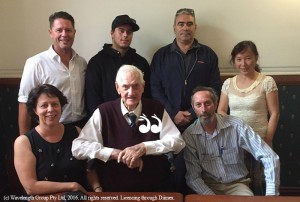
<point x="214" y="154"/>
<point x="131" y="150"/>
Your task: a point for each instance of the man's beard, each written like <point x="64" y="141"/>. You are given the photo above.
<point x="207" y="120"/>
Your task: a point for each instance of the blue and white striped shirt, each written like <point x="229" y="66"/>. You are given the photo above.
<point x="220" y="156"/>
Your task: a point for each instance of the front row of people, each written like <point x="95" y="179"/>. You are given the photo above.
<point x="125" y="142"/>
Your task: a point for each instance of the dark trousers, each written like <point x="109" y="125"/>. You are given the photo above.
<point x="79" y="124"/>
<point x="179" y="174"/>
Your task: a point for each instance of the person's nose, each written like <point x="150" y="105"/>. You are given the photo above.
<point x="63" y="33"/>
<point x="49" y="108"/>
<point x="202" y="108"/>
<point x="130" y="91"/>
<point x="243" y="62"/>
<point x="125" y="34"/>
<point x="185" y="26"/>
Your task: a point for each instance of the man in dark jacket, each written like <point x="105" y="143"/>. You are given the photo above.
<point x="103" y="67"/>
<point x="176" y="69"/>
<point x="179" y="67"/>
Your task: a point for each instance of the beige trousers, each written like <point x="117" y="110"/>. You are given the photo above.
<point x="239" y="187"/>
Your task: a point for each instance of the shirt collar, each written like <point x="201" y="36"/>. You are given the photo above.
<point x="174" y="46"/>
<point x="137" y="111"/>
<point x="221" y="122"/>
<point x="54" y="55"/>
<point x="197" y="128"/>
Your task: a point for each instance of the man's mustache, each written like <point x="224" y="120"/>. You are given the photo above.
<point x="205" y="114"/>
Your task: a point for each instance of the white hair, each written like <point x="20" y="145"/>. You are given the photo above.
<point x="126" y="69"/>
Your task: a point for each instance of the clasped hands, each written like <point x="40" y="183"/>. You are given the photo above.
<point x="132" y="156"/>
<point x="183" y="118"/>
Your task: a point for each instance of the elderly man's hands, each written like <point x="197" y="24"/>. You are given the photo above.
<point x="132" y="156"/>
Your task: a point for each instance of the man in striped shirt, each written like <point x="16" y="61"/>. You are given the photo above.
<point x="214" y="152"/>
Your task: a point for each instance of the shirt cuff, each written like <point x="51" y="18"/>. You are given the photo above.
<point x="150" y="148"/>
<point x="271" y="190"/>
<point x="104" y="154"/>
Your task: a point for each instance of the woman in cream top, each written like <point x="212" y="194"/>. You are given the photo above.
<point x="253" y="97"/>
<point x="250" y="104"/>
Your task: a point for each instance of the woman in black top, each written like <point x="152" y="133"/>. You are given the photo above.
<point x="43" y="157"/>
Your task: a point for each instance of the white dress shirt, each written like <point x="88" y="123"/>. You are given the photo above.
<point x="47" y="68"/>
<point x="89" y="144"/>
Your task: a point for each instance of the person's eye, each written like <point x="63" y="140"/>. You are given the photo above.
<point x="55" y="105"/>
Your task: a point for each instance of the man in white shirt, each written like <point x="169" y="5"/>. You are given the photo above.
<point x="59" y="66"/>
<point x="131" y="150"/>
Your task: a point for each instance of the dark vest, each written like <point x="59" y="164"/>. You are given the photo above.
<point x="118" y="134"/>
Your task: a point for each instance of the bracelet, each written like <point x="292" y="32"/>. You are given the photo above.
<point x="97" y="188"/>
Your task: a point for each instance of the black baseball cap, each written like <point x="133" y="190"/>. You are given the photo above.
<point x="124" y="20"/>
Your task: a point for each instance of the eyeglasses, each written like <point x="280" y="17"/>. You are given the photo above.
<point x="185" y="11"/>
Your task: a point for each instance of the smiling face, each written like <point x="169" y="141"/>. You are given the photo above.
<point x="131" y="89"/>
<point x="245" y="62"/>
<point x="48" y="109"/>
<point x="62" y="33"/>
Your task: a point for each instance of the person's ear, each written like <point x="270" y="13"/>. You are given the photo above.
<point x="117" y="88"/>
<point x="50" y="33"/>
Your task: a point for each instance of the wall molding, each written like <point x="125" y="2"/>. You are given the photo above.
<point x="282" y="75"/>
<point x="280" y="80"/>
<point x="11" y="72"/>
<point x="10" y="82"/>
<point x="225" y="71"/>
<point x="293" y="70"/>
<point x="283" y="80"/>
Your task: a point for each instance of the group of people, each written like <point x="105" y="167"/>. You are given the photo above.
<point x="117" y="123"/>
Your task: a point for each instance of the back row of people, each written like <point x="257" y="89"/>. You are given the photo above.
<point x="176" y="70"/>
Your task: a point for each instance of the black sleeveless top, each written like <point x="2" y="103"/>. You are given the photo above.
<point x="54" y="161"/>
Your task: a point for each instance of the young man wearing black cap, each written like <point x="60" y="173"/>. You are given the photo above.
<point x="102" y="68"/>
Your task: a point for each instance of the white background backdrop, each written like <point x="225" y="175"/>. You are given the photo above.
<point x="274" y="25"/>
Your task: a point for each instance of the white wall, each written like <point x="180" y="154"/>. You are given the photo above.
<point x="272" y="24"/>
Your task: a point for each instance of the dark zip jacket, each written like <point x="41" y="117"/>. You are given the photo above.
<point x="172" y="83"/>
